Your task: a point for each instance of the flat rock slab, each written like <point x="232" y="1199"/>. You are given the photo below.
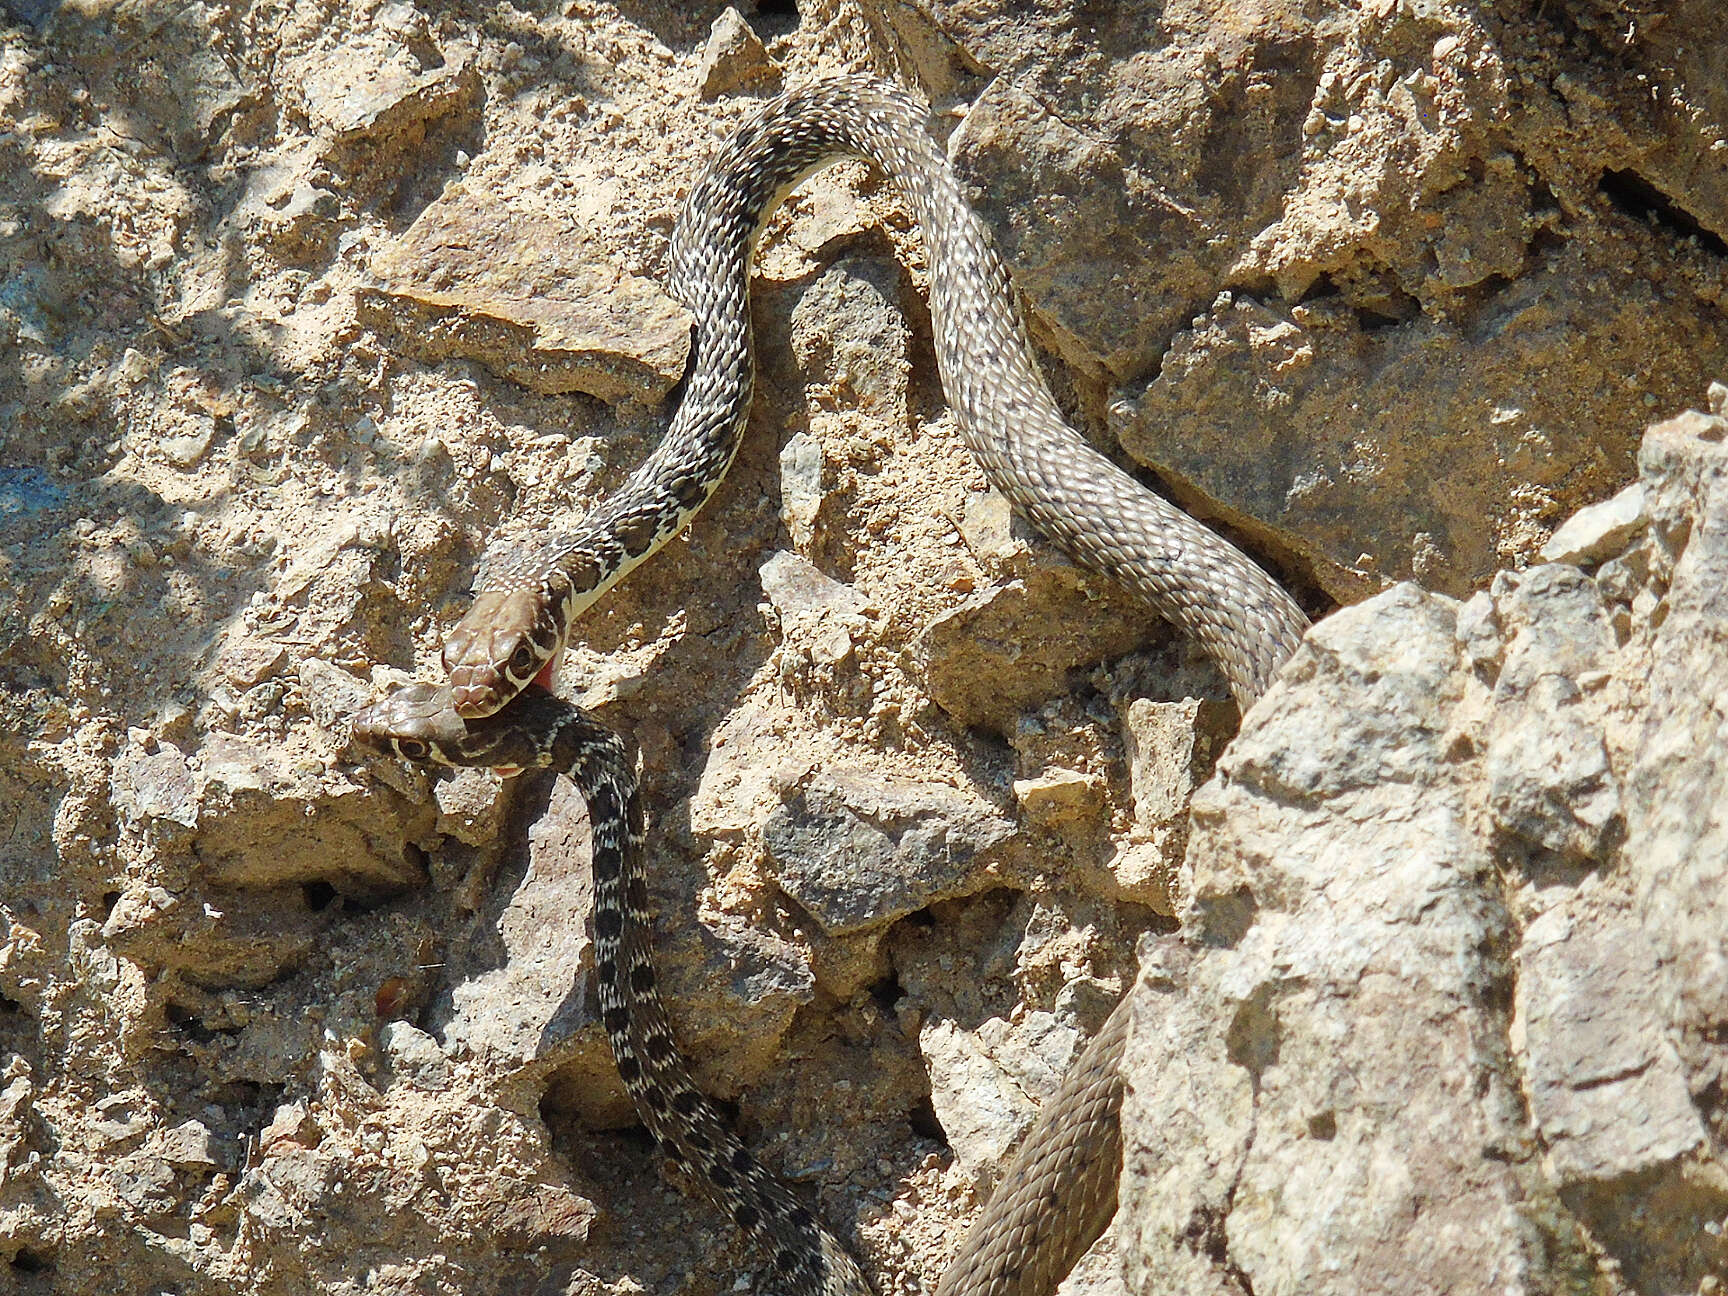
<point x="521" y="291"/>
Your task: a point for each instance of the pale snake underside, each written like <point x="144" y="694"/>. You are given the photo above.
<point x="1061" y="1190"/>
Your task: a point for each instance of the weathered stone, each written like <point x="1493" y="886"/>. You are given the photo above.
<point x="1607" y="1091"/>
<point x="1058" y="796"/>
<point x="1011" y="646"/>
<point x="188" y="1144"/>
<point x="415" y="1056"/>
<point x="858" y="850"/>
<point x="733" y="57"/>
<point x="849" y="335"/>
<point x="1368" y="402"/>
<point x="802" y="487"/>
<point x="1345" y="884"/>
<point x="1599" y="531"/>
<point x="519" y="995"/>
<point x="360" y="93"/>
<point x="820" y="612"/>
<point x="525" y="292"/>
<point x="986" y="1085"/>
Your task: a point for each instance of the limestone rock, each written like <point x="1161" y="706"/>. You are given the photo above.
<point x="1598" y="531"/>
<point x="1310" y="410"/>
<point x="819" y="611"/>
<point x="733" y="57"/>
<point x="857" y="850"/>
<point x="1434" y="802"/>
<point x="523" y="292"/>
<point x="1009" y="647"/>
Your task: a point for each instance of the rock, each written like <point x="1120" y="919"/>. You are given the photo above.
<point x="519" y="996"/>
<point x="1171" y="748"/>
<point x="1058" y="796"/>
<point x="361" y="94"/>
<point x="802" y="487"/>
<point x="1607" y="1090"/>
<point x="986" y="1086"/>
<point x="524" y="292"/>
<point x="332" y="694"/>
<point x="1010" y="647"/>
<point x="733" y="57"/>
<point x="415" y="1056"/>
<point x="189" y="1143"/>
<point x="1598" y="531"/>
<point x="857" y="850"/>
<point x="849" y="335"/>
<point x="1368" y="408"/>
<point x="817" y="611"/>
<point x="1352" y="912"/>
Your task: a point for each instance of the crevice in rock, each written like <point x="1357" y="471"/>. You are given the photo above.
<point x="28" y="1260"/>
<point x="1635" y="196"/>
<point x="923" y="1122"/>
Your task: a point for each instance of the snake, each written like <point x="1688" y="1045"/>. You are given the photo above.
<point x="527" y="594"/>
<point x="1054" y="1199"/>
<point x="1059" y="1192"/>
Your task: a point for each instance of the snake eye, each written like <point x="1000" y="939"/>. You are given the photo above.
<point x="522" y="660"/>
<point x="411" y="748"/>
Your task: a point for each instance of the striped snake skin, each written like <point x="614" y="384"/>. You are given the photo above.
<point x="1057" y="1195"/>
<point x="418" y="722"/>
<point x="1060" y="1192"/>
<point x="528" y="594"/>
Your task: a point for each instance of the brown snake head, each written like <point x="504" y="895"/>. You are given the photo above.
<point x="507" y="640"/>
<point x="419" y="723"/>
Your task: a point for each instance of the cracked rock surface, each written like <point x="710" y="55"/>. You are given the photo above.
<point x="301" y="305"/>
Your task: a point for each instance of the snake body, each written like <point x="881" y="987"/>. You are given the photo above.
<point x="1060" y="1191"/>
<point x="527" y="595"/>
<point x="1056" y="1195"/>
<point x="538" y="731"/>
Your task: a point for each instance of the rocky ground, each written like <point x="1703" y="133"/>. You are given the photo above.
<point x="301" y="304"/>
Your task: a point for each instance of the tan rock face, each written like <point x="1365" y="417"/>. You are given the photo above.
<point x="300" y="305"/>
<point x="1450" y="945"/>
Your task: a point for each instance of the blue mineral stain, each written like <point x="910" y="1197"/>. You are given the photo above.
<point x="27" y="490"/>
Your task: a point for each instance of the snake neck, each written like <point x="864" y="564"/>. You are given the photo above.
<point x="806" y="1259"/>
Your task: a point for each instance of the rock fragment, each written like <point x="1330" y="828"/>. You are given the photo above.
<point x="524" y="293"/>
<point x="858" y="850"/>
<point x="1598" y="531"/>
<point x="733" y="57"/>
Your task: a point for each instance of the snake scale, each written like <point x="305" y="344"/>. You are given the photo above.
<point x="1060" y="1191"/>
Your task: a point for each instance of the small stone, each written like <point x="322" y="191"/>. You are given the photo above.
<point x="816" y="610"/>
<point x="857" y="849"/>
<point x="1598" y="531"/>
<point x="185" y="450"/>
<point x="801" y="490"/>
<point x="251" y="661"/>
<point x="1059" y="796"/>
<point x="734" y="57"/>
<point x="189" y="1144"/>
<point x="293" y="1123"/>
<point x="415" y="1056"/>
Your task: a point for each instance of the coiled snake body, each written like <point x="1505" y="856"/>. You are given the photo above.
<point x="1061" y="1189"/>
